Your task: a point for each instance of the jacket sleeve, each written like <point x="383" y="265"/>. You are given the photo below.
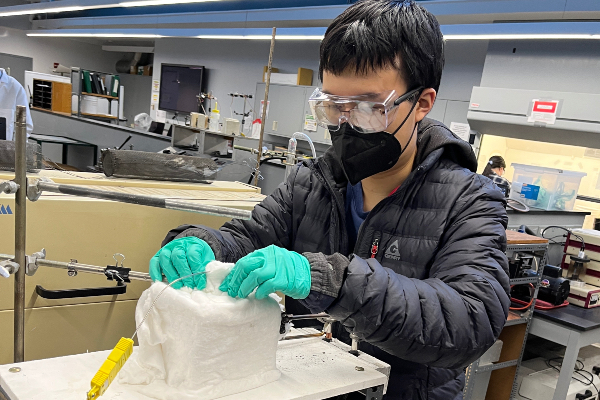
<point x="271" y="223"/>
<point x="451" y="318"/>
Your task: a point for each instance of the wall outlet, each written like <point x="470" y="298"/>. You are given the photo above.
<point x="275" y="125"/>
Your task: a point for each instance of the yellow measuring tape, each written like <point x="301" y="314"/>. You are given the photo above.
<point x="110" y="368"/>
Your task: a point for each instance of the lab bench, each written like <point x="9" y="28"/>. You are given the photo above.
<point x="311" y="369"/>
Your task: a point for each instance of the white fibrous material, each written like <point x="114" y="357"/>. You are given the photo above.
<point x="203" y="344"/>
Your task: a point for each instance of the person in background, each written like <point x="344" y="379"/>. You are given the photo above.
<point x="495" y="170"/>
<point x="391" y="231"/>
<point x="12" y="95"/>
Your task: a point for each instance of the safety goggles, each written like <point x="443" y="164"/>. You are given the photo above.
<point x="367" y="113"/>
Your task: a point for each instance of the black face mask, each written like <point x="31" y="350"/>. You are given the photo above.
<point x="363" y="155"/>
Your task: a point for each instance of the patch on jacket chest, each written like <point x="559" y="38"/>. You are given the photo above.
<point x="393" y="251"/>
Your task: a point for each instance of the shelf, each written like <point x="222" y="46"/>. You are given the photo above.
<point x="520" y="281"/>
<point x="515" y="318"/>
<point x="99" y="95"/>
<point x="99" y="116"/>
<point x="493" y="367"/>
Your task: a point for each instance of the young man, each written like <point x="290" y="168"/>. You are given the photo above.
<point x="391" y="232"/>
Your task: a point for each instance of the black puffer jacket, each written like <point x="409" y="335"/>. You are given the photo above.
<point x="434" y="298"/>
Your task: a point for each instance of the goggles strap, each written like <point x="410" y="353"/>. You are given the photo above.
<point x="405" y="119"/>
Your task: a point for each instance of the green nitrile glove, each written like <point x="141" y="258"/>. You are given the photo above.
<point x="181" y="257"/>
<point x="269" y="270"/>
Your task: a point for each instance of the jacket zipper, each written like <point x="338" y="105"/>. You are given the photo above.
<point x="341" y="210"/>
<point x="399" y="192"/>
<point x="374" y="248"/>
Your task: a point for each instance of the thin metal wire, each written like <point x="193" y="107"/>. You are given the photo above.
<point x="154" y="302"/>
<point x="59" y="169"/>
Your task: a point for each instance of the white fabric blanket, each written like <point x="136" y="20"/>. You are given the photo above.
<point x="203" y="344"/>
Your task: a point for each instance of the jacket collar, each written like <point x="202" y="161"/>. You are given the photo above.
<point x="3" y="76"/>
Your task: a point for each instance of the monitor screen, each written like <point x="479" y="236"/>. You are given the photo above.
<point x="179" y="86"/>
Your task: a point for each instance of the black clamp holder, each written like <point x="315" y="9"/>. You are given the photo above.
<point x="116" y="272"/>
<point x="112" y="272"/>
<point x="119" y="274"/>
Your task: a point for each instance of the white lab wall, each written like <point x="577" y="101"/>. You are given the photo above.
<point x="235" y="65"/>
<point x="462" y="71"/>
<point x="561" y="65"/>
<point x="45" y="51"/>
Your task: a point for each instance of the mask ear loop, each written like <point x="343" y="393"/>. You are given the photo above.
<point x="405" y="119"/>
<point x="408" y="115"/>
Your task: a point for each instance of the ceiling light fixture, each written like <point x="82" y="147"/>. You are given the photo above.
<point x="262" y="37"/>
<point x="98" y="35"/>
<point x="530" y="36"/>
<point x="143" y="3"/>
<point x="40" y="11"/>
<point x="52" y="8"/>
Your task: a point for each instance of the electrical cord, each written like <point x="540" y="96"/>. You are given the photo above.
<point x="540" y="307"/>
<point x="566" y="230"/>
<point x="528" y="304"/>
<point x="555" y="242"/>
<point x="578" y="370"/>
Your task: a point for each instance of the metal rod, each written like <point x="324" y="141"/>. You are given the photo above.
<point x="304" y="336"/>
<point x="142" y="200"/>
<point x="20" y="230"/>
<point x="588" y="198"/>
<point x="292" y="317"/>
<point x="263" y="117"/>
<point x="90" y="269"/>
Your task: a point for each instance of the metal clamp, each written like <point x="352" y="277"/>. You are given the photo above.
<point x="33" y="191"/>
<point x="119" y="274"/>
<point x="355" y="340"/>
<point x="71" y="270"/>
<point x="117" y="261"/>
<point x="116" y="272"/>
<point x="9" y="187"/>
<point x="31" y="267"/>
<point x="8" y="268"/>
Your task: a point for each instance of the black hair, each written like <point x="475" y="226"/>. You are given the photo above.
<point x="495" y="162"/>
<point x="374" y="34"/>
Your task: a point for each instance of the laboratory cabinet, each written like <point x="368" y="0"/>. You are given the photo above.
<point x="288" y="110"/>
<point x="91" y="231"/>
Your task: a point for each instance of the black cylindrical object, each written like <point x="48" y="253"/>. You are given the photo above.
<point x="554" y="290"/>
<point x="157" y="166"/>
<point x="7" y="156"/>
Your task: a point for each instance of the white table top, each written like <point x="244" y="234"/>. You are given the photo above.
<point x="311" y="369"/>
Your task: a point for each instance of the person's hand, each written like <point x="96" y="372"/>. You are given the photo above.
<point x="182" y="257"/>
<point x="269" y="270"/>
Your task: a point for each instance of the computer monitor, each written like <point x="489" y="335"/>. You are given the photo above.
<point x="179" y="86"/>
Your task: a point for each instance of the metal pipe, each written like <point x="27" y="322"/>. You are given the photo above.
<point x="263" y="118"/>
<point x="291" y="317"/>
<point x="290" y="161"/>
<point x="308" y="139"/>
<point x="91" y="269"/>
<point x="142" y="200"/>
<point x="20" y="231"/>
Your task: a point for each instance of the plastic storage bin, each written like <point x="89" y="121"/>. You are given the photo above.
<point x="545" y="188"/>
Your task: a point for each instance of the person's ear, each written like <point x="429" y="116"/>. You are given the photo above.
<point x="425" y="104"/>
